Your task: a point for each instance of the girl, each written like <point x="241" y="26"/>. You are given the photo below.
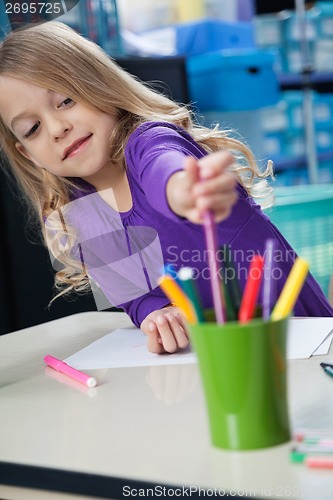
<point x="112" y="171"/>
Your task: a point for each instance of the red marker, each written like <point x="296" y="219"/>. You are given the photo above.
<point x="251" y="290"/>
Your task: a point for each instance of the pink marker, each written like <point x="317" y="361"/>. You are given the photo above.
<point x="62" y="367"/>
<point x="211" y="245"/>
<point x="319" y="462"/>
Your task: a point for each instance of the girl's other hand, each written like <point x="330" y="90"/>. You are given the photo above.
<point x="165" y="330"/>
<point x="203" y="185"/>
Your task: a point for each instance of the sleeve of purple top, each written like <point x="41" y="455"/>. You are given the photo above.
<point x="154" y="153"/>
<point x="138" y="309"/>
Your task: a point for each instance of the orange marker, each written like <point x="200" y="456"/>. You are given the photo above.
<point x="176" y="295"/>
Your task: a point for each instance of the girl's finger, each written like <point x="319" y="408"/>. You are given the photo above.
<point x="192" y="169"/>
<point x="168" y="340"/>
<point x="216" y="202"/>
<point x="153" y="339"/>
<point x="220" y="184"/>
<point x="177" y="330"/>
<point x="181" y="320"/>
<point x="215" y="163"/>
<point x="195" y="215"/>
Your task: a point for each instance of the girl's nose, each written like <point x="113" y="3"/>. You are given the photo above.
<point x="58" y="129"/>
<point x="62" y="132"/>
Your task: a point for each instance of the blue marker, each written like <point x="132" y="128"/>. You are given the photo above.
<point x="327" y="368"/>
<point x="170" y="270"/>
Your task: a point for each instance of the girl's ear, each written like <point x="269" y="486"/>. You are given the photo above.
<point x="25" y="153"/>
<point x="22" y="150"/>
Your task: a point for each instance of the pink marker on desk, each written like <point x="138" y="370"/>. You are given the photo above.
<point x="62" y="367"/>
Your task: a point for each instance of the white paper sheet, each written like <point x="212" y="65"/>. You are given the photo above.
<point x="325" y="346"/>
<point x="306" y="335"/>
<point x="127" y="347"/>
<point x="124" y="348"/>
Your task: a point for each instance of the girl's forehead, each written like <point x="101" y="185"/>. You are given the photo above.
<point x="18" y="96"/>
<point x="12" y="82"/>
<point x="23" y="87"/>
<point x="18" y="90"/>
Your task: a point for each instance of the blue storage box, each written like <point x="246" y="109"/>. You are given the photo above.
<point x="296" y="177"/>
<point x="274" y="144"/>
<point x="293" y="27"/>
<point x="295" y="142"/>
<point x="209" y="35"/>
<point x="291" y="56"/>
<point x="294" y="107"/>
<point x="326" y="172"/>
<point x="324" y="138"/>
<point x="293" y="32"/>
<point x="268" y="30"/>
<point x="322" y="109"/>
<point x="325" y="19"/>
<point x="233" y="80"/>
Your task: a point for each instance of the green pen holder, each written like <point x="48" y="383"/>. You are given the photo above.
<point x="244" y="375"/>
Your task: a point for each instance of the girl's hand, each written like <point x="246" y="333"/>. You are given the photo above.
<point x="203" y="185"/>
<point x="166" y="331"/>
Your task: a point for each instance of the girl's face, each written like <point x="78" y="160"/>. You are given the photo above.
<point x="65" y="138"/>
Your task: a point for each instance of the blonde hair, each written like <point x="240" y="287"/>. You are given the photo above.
<point x="53" y="56"/>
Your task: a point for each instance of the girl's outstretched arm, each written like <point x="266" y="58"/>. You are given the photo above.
<point x="204" y="184"/>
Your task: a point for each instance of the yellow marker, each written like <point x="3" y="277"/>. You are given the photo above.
<point x="291" y="289"/>
<point x="190" y="10"/>
<point x="176" y="295"/>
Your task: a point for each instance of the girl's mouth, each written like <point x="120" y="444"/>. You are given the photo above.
<point x="77" y="147"/>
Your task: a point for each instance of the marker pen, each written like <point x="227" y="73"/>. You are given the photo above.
<point x="319" y="462"/>
<point x="70" y="382"/>
<point x="327" y="368"/>
<point x="62" y="367"/>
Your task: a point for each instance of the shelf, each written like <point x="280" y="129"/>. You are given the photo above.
<point x="297" y="162"/>
<point x="320" y="81"/>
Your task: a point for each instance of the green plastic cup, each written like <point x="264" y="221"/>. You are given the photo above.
<point x="243" y="370"/>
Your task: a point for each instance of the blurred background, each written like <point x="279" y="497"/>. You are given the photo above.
<point x="263" y="69"/>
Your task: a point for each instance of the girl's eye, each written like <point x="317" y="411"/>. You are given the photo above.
<point x="32" y="130"/>
<point x="67" y="101"/>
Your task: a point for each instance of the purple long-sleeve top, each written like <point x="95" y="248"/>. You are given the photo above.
<point x="153" y="153"/>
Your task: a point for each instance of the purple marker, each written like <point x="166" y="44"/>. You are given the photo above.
<point x="268" y="284"/>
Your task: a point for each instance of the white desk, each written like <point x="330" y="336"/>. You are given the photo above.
<point x="143" y="424"/>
